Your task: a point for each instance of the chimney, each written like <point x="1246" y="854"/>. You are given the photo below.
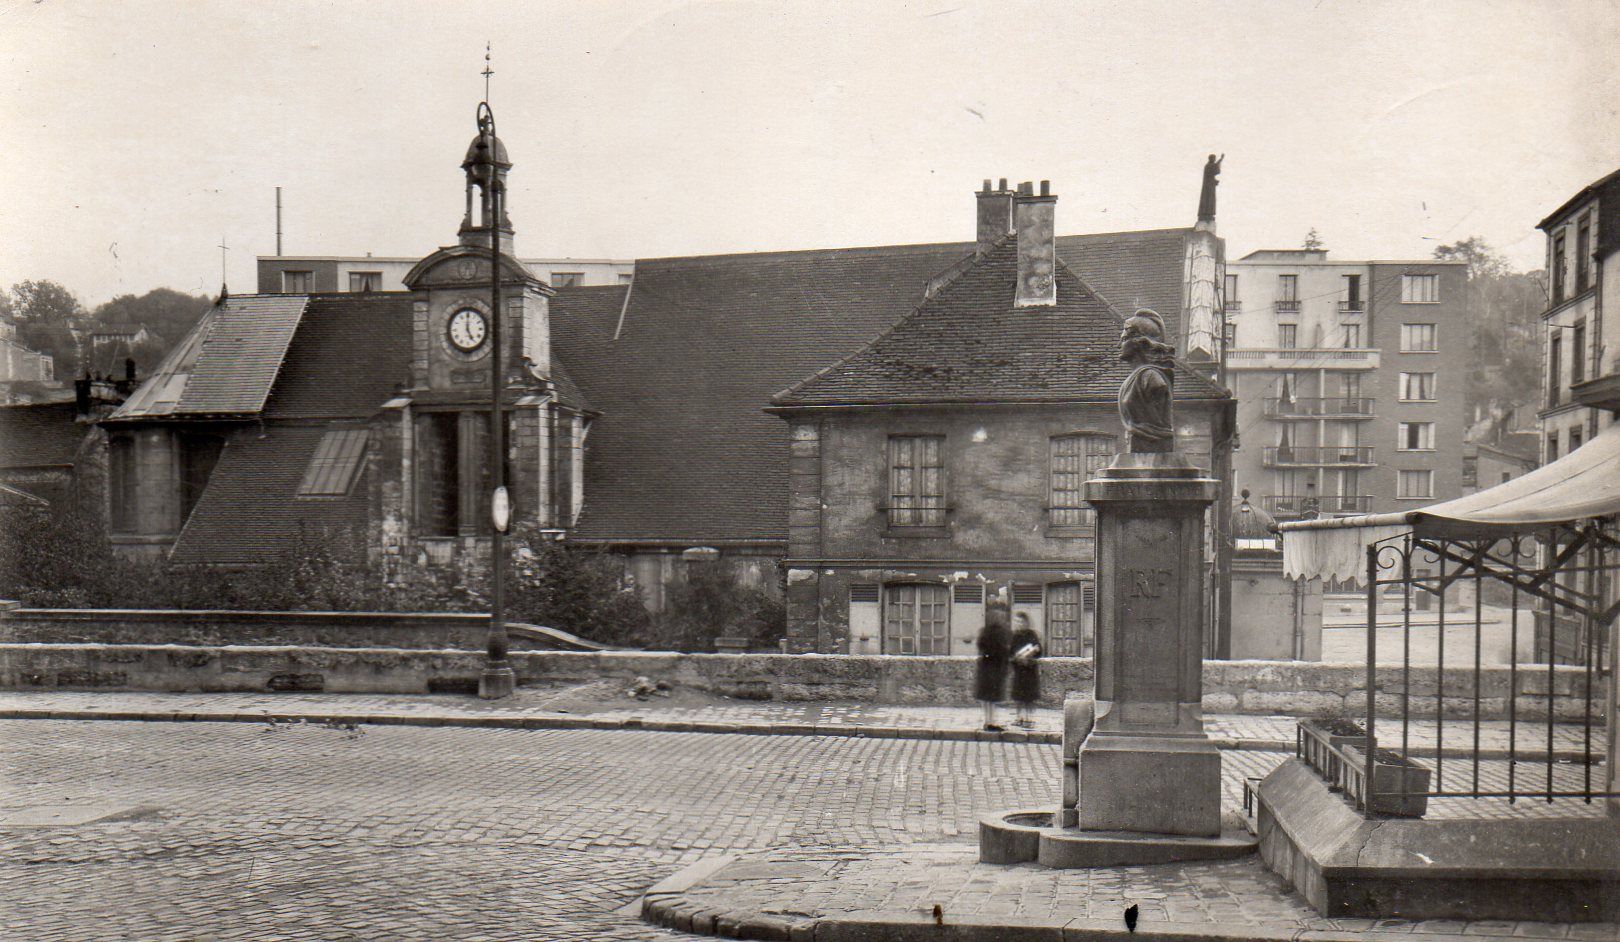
<point x="995" y="215"/>
<point x="1037" y="253"/>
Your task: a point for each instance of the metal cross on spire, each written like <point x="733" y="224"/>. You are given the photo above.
<point x="487" y="71"/>
<point x="224" y="250"/>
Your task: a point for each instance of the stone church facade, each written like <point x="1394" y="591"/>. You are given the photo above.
<point x="640" y="417"/>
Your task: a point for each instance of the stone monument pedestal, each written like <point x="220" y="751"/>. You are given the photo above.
<point x="1147" y="764"/>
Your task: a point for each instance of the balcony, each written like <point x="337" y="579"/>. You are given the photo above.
<point x="1312" y="456"/>
<point x="1286" y="306"/>
<point x="1286" y="506"/>
<point x="1302" y="358"/>
<point x="1234" y="306"/>
<point x="1307" y="408"/>
<point x="1600" y="393"/>
<point x="1352" y="307"/>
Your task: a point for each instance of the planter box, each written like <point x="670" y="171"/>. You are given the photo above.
<point x="1321" y="745"/>
<point x="1392" y="773"/>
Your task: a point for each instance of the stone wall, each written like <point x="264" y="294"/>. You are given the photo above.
<point x="1261" y="687"/>
<point x="218" y="628"/>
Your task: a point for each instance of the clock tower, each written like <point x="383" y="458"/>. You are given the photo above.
<point x="432" y="501"/>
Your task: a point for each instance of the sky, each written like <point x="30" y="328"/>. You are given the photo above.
<point x="139" y="136"/>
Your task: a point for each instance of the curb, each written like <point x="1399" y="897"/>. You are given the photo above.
<point x="641" y="724"/>
<point x="670" y="910"/>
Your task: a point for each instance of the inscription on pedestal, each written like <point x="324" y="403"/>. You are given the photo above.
<point x="1150" y="626"/>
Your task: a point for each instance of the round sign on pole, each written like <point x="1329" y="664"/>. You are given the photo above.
<point x="500" y="509"/>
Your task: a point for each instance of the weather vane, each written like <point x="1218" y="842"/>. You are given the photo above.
<point x="487" y="71"/>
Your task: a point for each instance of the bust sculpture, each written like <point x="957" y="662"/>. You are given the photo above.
<point x="1145" y="396"/>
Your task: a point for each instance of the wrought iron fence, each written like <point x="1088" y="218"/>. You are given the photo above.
<point x="1561" y="580"/>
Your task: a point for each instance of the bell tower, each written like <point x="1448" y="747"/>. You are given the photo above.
<point x="486" y="166"/>
<point x="456" y="297"/>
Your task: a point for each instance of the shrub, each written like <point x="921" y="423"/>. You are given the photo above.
<point x="710" y="603"/>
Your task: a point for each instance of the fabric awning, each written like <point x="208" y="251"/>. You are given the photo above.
<point x="1584" y="483"/>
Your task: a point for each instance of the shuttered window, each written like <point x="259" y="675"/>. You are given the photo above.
<point x="333" y="468"/>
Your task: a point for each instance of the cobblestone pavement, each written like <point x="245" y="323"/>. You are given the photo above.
<point x="605" y="700"/>
<point x="243" y="831"/>
<point x="231" y="831"/>
<point x="1226" y="893"/>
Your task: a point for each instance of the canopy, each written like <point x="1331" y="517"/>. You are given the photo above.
<point x="1584" y="483"/>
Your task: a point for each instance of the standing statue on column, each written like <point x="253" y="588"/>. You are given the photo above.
<point x="1145" y="396"/>
<point x="1206" y="196"/>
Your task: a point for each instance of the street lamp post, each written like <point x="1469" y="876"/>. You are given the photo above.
<point x="498" y="679"/>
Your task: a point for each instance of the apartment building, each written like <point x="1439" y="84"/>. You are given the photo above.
<point x="1348" y="376"/>
<point x="1580" y="365"/>
<point x="329" y="274"/>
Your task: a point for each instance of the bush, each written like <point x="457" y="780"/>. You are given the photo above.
<point x="577" y="590"/>
<point x="710" y="604"/>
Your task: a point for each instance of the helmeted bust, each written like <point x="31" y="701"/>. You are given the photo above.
<point x="1145" y="396"/>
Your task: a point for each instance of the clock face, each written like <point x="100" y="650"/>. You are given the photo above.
<point x="467" y="329"/>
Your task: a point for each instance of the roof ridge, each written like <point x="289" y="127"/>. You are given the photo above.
<point x="973" y="262"/>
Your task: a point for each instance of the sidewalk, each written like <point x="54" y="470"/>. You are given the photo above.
<point x="842" y="897"/>
<point x="604" y="705"/>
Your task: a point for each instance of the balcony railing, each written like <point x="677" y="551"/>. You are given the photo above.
<point x="1311" y="408"/>
<point x="1233" y="305"/>
<point x="1302" y="358"/>
<point x="1287" y="306"/>
<point x="1284" y="506"/>
<point x="1352" y="307"/>
<point x="1314" y="456"/>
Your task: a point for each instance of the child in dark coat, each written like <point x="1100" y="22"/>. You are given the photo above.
<point x="990" y="673"/>
<point x="1026" y="672"/>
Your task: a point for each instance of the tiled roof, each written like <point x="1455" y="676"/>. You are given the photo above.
<point x="1132" y="269"/>
<point x="968" y="343"/>
<point x="250" y="511"/>
<point x="42" y="434"/>
<point x="349" y="355"/>
<point x="682" y="450"/>
<point x="226" y="365"/>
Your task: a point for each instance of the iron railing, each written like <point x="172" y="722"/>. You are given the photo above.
<point x="1315" y="408"/>
<point x="1352" y="307"/>
<point x="1292" y="505"/>
<point x="1315" y="456"/>
<point x="1560" y="580"/>
<point x="1286" y="306"/>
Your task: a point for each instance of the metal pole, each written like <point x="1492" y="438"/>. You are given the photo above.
<point x="497" y="680"/>
<point x="278" y="221"/>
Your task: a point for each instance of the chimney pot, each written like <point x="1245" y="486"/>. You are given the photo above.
<point x="1003" y="185"/>
<point x="1046" y="187"/>
<point x="986" y="184"/>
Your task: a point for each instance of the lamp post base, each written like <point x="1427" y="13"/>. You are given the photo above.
<point x="496" y="682"/>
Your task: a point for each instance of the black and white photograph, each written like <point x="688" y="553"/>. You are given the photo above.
<point x="816" y="471"/>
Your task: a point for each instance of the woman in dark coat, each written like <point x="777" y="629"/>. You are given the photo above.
<point x="1026" y="672"/>
<point x="990" y="673"/>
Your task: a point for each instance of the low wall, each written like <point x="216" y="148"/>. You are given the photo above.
<point x="1262" y="687"/>
<point x="431" y="631"/>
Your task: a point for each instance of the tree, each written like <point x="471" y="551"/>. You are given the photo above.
<point x="1313" y="242"/>
<point x="1504" y="309"/>
<point x="47" y="314"/>
<point x="166" y="315"/>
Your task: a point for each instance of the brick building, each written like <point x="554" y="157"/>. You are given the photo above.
<point x="637" y="413"/>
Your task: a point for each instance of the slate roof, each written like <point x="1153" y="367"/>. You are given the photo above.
<point x="683" y="451"/>
<point x="39" y="434"/>
<point x="226" y="365"/>
<point x="349" y="355"/>
<point x="969" y="343"/>
<point x="250" y="511"/>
